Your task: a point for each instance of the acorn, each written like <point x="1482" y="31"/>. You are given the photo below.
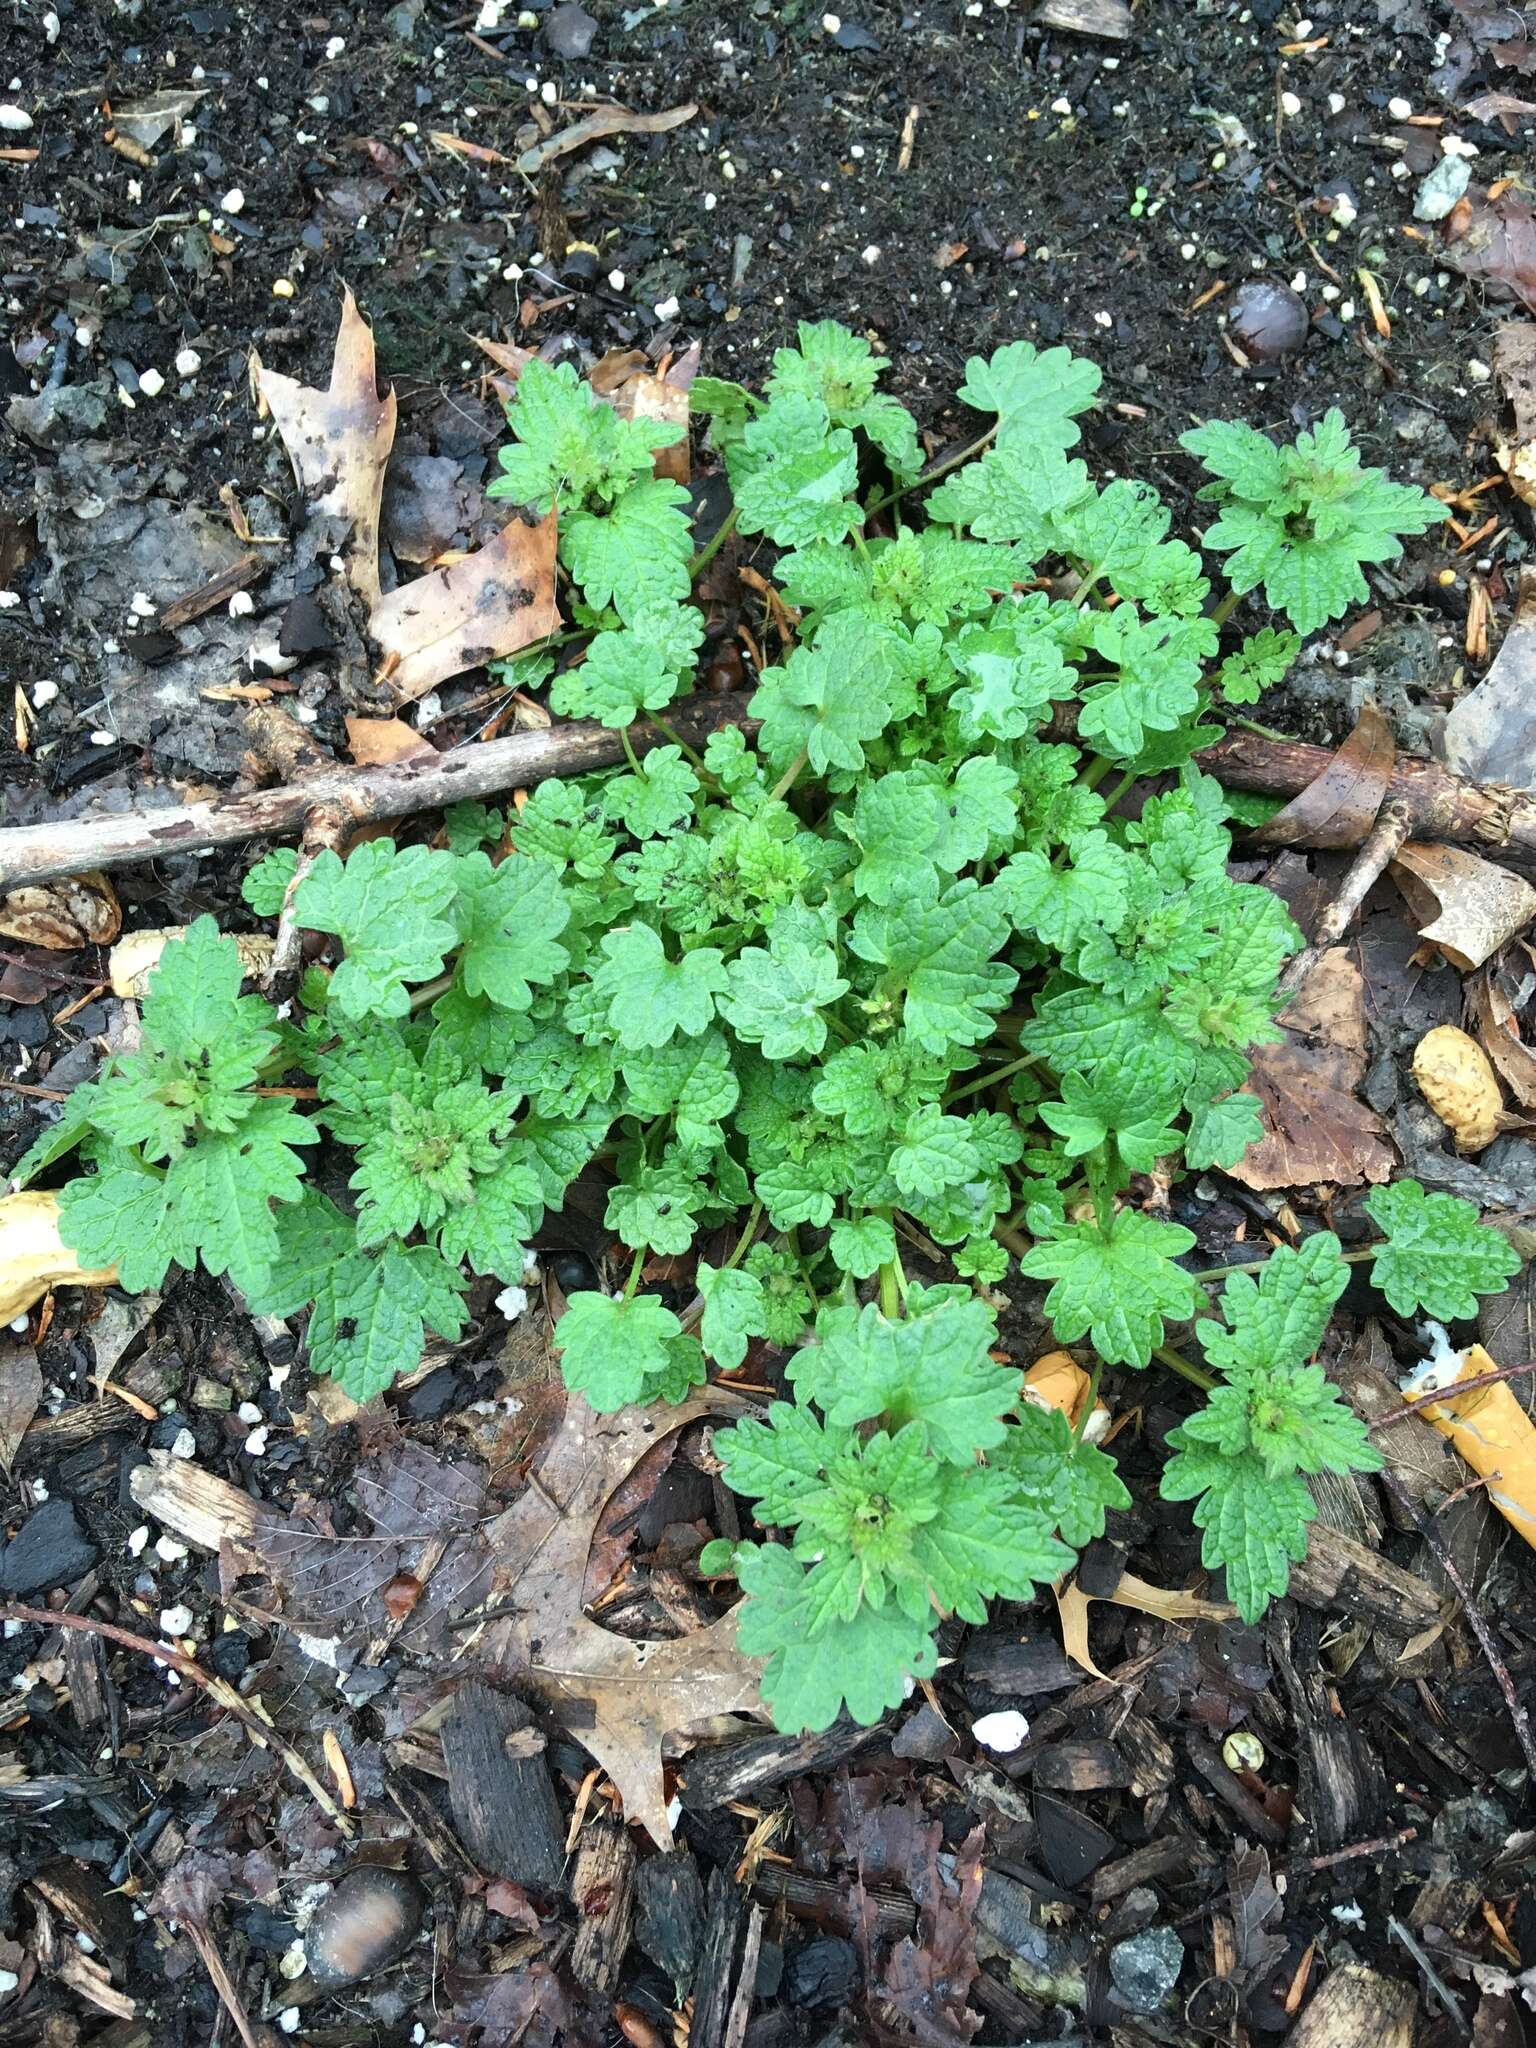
<point x="367" y="1923"/>
<point x="1457" y="1081"/>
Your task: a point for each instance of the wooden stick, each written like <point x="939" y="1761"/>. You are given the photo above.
<point x="1438" y="805"/>
<point x="41" y="853"/>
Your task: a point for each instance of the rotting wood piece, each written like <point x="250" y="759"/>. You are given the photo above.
<point x="737" y="1770"/>
<point x="1356" y="2005"/>
<point x="37" y="853"/>
<point x="500" y="1788"/>
<point x="670" y="1915"/>
<point x="200" y="1508"/>
<point x="1343" y="1577"/>
<point x="181" y="611"/>
<point x="603" y="1891"/>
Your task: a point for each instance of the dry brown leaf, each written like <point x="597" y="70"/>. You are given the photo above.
<point x="1514" y="368"/>
<point x="619" y="1698"/>
<point x="505" y="354"/>
<point x="33" y="1256"/>
<point x="485" y="606"/>
<point x="606" y="121"/>
<point x="79" y="910"/>
<point x="1467" y="906"/>
<point x="1494" y="242"/>
<point x="1315" y="1128"/>
<point x="1167" y="1604"/>
<point x="133" y="959"/>
<point x="21" y="1391"/>
<point x="338" y="441"/>
<point x="1339" y="808"/>
<point x="646" y="397"/>
<point x="1492" y="1017"/>
<point x="376" y="741"/>
<point x="1490" y="736"/>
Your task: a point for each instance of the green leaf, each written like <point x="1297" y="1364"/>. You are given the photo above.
<point x="866" y="1666"/>
<point x="1012" y="678"/>
<point x="1060" y="905"/>
<point x="657" y="1207"/>
<point x="935" y="1152"/>
<point x="1035" y="393"/>
<point x="1438" y="1257"/>
<point x="509" y="918"/>
<point x="839" y="370"/>
<point x="266" y="884"/>
<point x="636" y="555"/>
<point x="1264" y="659"/>
<point x="570" y="446"/>
<point x="829" y="700"/>
<point x="935" y="952"/>
<point x="1280" y="1318"/>
<point x="1072" y="1483"/>
<point x="657" y="797"/>
<point x="1255" y="1526"/>
<point x="777" y="996"/>
<point x="1131" y="1104"/>
<point x="931" y="1367"/>
<point x="792" y="473"/>
<point x="390" y="911"/>
<point x="733" y="1312"/>
<point x="117" y="1216"/>
<point x="623" y="673"/>
<point x="371" y="1316"/>
<point x="612" y="1351"/>
<point x="861" y="1245"/>
<point x="1221" y="1132"/>
<point x="1115" y="1285"/>
<point x="691" y="1079"/>
<point x="647" y="998"/>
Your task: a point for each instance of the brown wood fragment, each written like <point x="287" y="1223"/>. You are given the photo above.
<point x="1082" y="1766"/>
<point x="737" y="1770"/>
<point x="1343" y="1577"/>
<point x="501" y="1792"/>
<point x="1356" y="2005"/>
<point x="181" y="611"/>
<point x="603" y="1892"/>
<point x="1169" y="1856"/>
<point x="1233" y="1793"/>
<point x="200" y="1508"/>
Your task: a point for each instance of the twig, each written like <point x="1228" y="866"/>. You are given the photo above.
<point x="223" y="1983"/>
<point x="1308" y="1866"/>
<point x="325" y="827"/>
<point x="1519" y="1718"/>
<point x="1458" y="1388"/>
<point x="1381" y="845"/>
<point x="1432" y="1977"/>
<point x="255" y="1724"/>
<point x="40" y="853"/>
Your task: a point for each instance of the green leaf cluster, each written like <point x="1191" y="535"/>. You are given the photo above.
<point x="898" y="968"/>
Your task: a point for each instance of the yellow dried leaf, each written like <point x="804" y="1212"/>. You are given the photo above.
<point x="33" y="1257"/>
<point x="1457" y="1081"/>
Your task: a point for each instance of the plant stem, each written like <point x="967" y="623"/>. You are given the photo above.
<point x="1177" y="1362"/>
<point x="1098" y="767"/>
<point x="1354" y="1258"/>
<point x="744" y="1243"/>
<point x="713" y="545"/>
<point x="893" y="1280"/>
<point x="634" y="1274"/>
<point x="787" y="780"/>
<point x="1227" y="607"/>
<point x="691" y="753"/>
<point x="1119" y="789"/>
<point x="979" y="1081"/>
<point x="629" y="752"/>
<point x="931" y="476"/>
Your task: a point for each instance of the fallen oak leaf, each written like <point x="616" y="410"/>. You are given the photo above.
<point x="1492" y="1016"/>
<point x="1165" y="1603"/>
<point x="1490" y="734"/>
<point x="1466" y="906"/>
<point x="619" y="1698"/>
<point x="21" y="1393"/>
<point x="338" y="441"/>
<point x="478" y="609"/>
<point x="374" y="741"/>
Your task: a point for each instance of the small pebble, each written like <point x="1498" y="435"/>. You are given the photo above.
<point x="16" y="119"/>
<point x="283" y="288"/>
<point x="1290" y="105"/>
<point x="256" y="1443"/>
<point x="367" y="1923"/>
<point x="1399" y="109"/>
<point x="1002" y="1731"/>
<point x="249" y="1413"/>
<point x="188" y="362"/>
<point x="667" y="309"/>
<point x="168" y="1550"/>
<point x="184" y="1444"/>
<point x="616" y="280"/>
<point x="511" y="1302"/>
<point x="241" y="605"/>
<point x="334" y="48"/>
<point x="137" y="1541"/>
<point x="233" y="201"/>
<point x="44" y="692"/>
<point x="176" y="1621"/>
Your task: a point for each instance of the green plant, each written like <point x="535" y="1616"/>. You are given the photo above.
<point x="894" y="970"/>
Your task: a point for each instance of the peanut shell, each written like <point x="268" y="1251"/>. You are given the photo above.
<point x="1457" y="1081"/>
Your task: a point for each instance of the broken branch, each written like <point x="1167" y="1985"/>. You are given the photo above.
<point x="38" y="853"/>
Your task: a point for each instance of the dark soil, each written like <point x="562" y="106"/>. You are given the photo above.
<point x="946" y="179"/>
